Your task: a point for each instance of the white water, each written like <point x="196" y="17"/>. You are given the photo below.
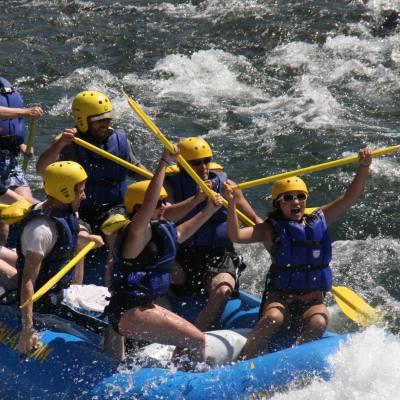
<point x="367" y="368"/>
<point x="293" y="85"/>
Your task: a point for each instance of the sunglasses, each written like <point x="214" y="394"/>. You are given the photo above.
<point x="196" y="163"/>
<point x="287" y="198"/>
<point x="160" y="203"/>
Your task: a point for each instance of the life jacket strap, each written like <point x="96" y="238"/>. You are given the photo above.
<point x="306" y="243"/>
<point x="298" y="268"/>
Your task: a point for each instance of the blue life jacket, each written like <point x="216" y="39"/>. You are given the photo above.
<point x="107" y="180"/>
<point x="301" y="255"/>
<point x="214" y="232"/>
<point x="62" y="251"/>
<point x="149" y="274"/>
<point x="12" y="131"/>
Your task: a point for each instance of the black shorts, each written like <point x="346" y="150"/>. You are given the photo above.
<point x="296" y="307"/>
<point x="201" y="262"/>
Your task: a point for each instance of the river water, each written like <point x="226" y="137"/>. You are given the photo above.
<point x="273" y="86"/>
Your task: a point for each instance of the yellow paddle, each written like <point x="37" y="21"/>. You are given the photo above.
<point x="354" y="307"/>
<point x="156" y="131"/>
<point x="347" y="297"/>
<point x="314" y="168"/>
<point x="29" y="144"/>
<point x="114" y="158"/>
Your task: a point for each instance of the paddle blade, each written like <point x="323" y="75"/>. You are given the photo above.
<point x="354" y="307"/>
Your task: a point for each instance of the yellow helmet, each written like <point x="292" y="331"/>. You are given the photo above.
<point x="193" y="148"/>
<point x="135" y="192"/>
<point x="216" y="167"/>
<point x="60" y="179"/>
<point x="288" y="185"/>
<point x="90" y="104"/>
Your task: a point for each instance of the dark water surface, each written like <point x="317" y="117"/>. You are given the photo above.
<point x="273" y="85"/>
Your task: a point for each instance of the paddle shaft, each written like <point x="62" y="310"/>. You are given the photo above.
<point x="59" y="275"/>
<point x="314" y="168"/>
<point x="114" y="158"/>
<point x="29" y="144"/>
<point x="169" y="146"/>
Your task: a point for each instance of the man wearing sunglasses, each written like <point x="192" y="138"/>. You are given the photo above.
<point x="208" y="260"/>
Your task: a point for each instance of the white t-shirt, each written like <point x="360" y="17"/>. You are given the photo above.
<point x="39" y="235"/>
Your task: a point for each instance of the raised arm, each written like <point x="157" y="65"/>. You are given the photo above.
<point x="339" y="206"/>
<point x="243" y="205"/>
<point x="139" y="230"/>
<point x="52" y="153"/>
<point x="251" y="234"/>
<point x="188" y="228"/>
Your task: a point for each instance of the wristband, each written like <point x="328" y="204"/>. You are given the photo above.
<point x="166" y="162"/>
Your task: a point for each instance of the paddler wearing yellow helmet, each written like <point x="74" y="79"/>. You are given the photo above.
<point x="144" y="255"/>
<point x="208" y="259"/>
<point x="301" y="251"/>
<point x="49" y="237"/>
<point x="93" y="112"/>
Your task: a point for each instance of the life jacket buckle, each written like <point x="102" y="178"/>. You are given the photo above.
<point x="6" y="90"/>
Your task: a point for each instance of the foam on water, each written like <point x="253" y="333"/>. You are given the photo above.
<point x="217" y="9"/>
<point x="367" y="367"/>
<point x="379" y="6"/>
<point x="205" y="78"/>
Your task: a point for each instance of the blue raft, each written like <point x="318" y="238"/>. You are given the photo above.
<point x="69" y="363"/>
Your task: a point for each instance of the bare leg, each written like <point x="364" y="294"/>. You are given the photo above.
<point x="114" y="344"/>
<point x="316" y="320"/>
<point x="274" y="317"/>
<point x="9" y="256"/>
<point x="157" y="324"/>
<point x="220" y="288"/>
<point x="25" y="191"/>
<point x="4" y="228"/>
<point x="8" y="275"/>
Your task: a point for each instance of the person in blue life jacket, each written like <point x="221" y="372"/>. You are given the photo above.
<point x="106" y="184"/>
<point x="208" y="261"/>
<point x="143" y="257"/>
<point x="12" y="138"/>
<point x="48" y="238"/>
<point x="301" y="251"/>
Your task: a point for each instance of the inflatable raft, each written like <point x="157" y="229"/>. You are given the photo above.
<point x="69" y="364"/>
